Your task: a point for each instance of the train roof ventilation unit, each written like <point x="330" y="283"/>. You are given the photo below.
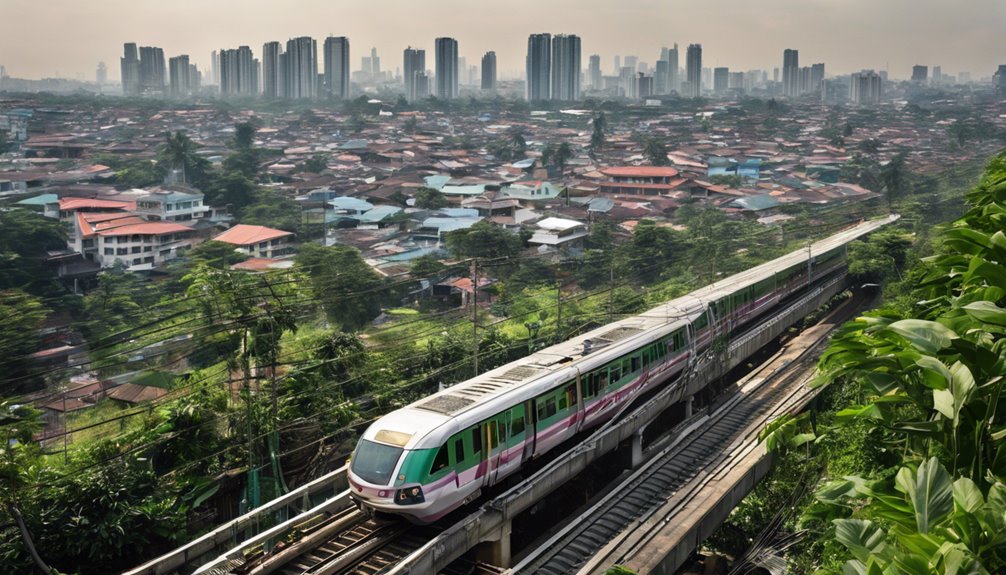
<point x="518" y="374"/>
<point x="608" y="338"/>
<point x="446" y="404"/>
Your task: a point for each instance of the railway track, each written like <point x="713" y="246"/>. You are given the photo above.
<point x="676" y="467"/>
<point x="348" y="542"/>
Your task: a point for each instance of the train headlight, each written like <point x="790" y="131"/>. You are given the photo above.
<point x="409" y="496"/>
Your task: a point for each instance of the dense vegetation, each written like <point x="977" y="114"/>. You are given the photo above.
<point x="904" y="455"/>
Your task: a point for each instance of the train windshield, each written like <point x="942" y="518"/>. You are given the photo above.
<point x="375" y="462"/>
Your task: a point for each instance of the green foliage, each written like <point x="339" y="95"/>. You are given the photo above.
<point x="25" y="237"/>
<point x="316" y="164"/>
<point x="655" y="152"/>
<point x="426" y="267"/>
<point x="23" y="316"/>
<point x="216" y="254"/>
<point x="232" y="189"/>
<point x="650" y="252"/>
<point x="730" y="181"/>
<point x="344" y="284"/>
<point x="275" y="210"/>
<point x="430" y="199"/>
<point x="485" y="240"/>
<point x="180" y="153"/>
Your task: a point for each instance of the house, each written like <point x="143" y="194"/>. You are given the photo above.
<point x="559" y="233"/>
<point x="640" y="180"/>
<point x="258" y="241"/>
<point x="111" y="238"/>
<point x="171" y="203"/>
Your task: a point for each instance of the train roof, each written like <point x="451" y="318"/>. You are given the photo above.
<point x="455" y="402"/>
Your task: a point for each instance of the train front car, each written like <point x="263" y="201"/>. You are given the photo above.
<point x="389" y="471"/>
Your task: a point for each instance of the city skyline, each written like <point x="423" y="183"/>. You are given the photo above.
<point x="849" y="36"/>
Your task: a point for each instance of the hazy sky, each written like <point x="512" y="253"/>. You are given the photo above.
<point x="69" y="37"/>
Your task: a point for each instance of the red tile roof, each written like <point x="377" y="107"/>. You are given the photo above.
<point x="145" y="229"/>
<point x="133" y="393"/>
<point x="640" y="172"/>
<point x="83" y="203"/>
<point x="244" y="235"/>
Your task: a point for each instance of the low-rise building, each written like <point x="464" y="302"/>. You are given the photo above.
<point x="171" y="203"/>
<point x="120" y="238"/>
<point x="258" y="241"/>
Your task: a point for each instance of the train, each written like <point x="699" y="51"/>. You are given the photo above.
<point x="437" y="454"/>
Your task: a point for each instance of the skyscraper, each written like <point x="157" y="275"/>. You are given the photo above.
<point x="101" y="74"/>
<point x="447" y="68"/>
<point x="816" y="77"/>
<point x="238" y="72"/>
<point x="673" y="80"/>
<point x="215" y="68"/>
<point x="301" y="68"/>
<point x="539" y="67"/>
<point x="566" y="67"/>
<point x="866" y="87"/>
<point x="594" y="72"/>
<point x="721" y="80"/>
<point x="179" y="76"/>
<point x="998" y="79"/>
<point x="693" y="71"/>
<point x="130" y="70"/>
<point x="791" y="73"/>
<point x="660" y="76"/>
<point x="414" y="74"/>
<point x="152" y="70"/>
<point x="489" y="71"/>
<point x="920" y="74"/>
<point x="337" y="67"/>
<point x="272" y="70"/>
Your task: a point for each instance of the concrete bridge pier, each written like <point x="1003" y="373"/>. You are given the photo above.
<point x="497" y="551"/>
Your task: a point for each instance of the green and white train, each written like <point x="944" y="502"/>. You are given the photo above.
<point x="431" y="457"/>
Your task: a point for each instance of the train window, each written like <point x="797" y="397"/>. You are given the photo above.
<point x="636" y="364"/>
<point x="646" y="356"/>
<point x="493" y="431"/>
<point x="616" y="372"/>
<point x="459" y="450"/>
<point x="476" y="440"/>
<point x="626" y="367"/>
<point x="550" y="408"/>
<point x="603" y="375"/>
<point x="441" y="461"/>
<point x="517" y="426"/>
<point x="570" y="395"/>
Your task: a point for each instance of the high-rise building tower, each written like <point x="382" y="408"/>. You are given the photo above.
<point x="791" y="73"/>
<point x="179" y="76"/>
<point x="238" y="72"/>
<point x="660" y="76"/>
<point x="816" y="77"/>
<point x="566" y="67"/>
<point x="721" y="80"/>
<point x="866" y="87"/>
<point x="152" y="70"/>
<point x="130" y="70"/>
<point x="937" y="75"/>
<point x="489" y="71"/>
<point x="594" y="72"/>
<point x="272" y="71"/>
<point x="920" y="74"/>
<point x="693" y="71"/>
<point x="414" y="74"/>
<point x="336" y="51"/>
<point x="300" y="68"/>
<point x="446" y="68"/>
<point x="539" y="67"/>
<point x="101" y="74"/>
<point x="998" y="79"/>
<point x="673" y="79"/>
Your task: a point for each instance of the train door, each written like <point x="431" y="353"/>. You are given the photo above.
<point x="514" y="452"/>
<point x="494" y="441"/>
<point x="531" y="408"/>
<point x="581" y="415"/>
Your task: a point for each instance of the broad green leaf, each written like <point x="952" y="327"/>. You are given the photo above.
<point x="934" y="367"/>
<point x="949" y="402"/>
<point x="967" y="496"/>
<point x="854" y="567"/>
<point x="986" y="312"/>
<point x="931" y="493"/>
<point x="869" y="411"/>
<point x="861" y="537"/>
<point x="836" y="491"/>
<point x="927" y="336"/>
<point x="912" y="564"/>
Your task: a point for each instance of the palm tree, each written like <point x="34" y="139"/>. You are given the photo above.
<point x="562" y="154"/>
<point x="517" y="142"/>
<point x="597" y="137"/>
<point x="180" y="154"/>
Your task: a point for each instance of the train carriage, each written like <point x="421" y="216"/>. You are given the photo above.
<point x="427" y="459"/>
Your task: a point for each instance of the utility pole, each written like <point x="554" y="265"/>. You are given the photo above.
<point x="558" y="313"/>
<point x="475" y="316"/>
<point x="611" y="293"/>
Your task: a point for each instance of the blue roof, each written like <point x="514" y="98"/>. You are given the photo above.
<point x="599" y="204"/>
<point x="755" y="203"/>
<point x="469" y="190"/>
<point x="354" y="145"/>
<point x="39" y="200"/>
<point x="348" y="203"/>
<point x="379" y="213"/>
<point x="436" y="182"/>
<point x="450" y="224"/>
<point x="412" y="254"/>
<point x="458" y="212"/>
